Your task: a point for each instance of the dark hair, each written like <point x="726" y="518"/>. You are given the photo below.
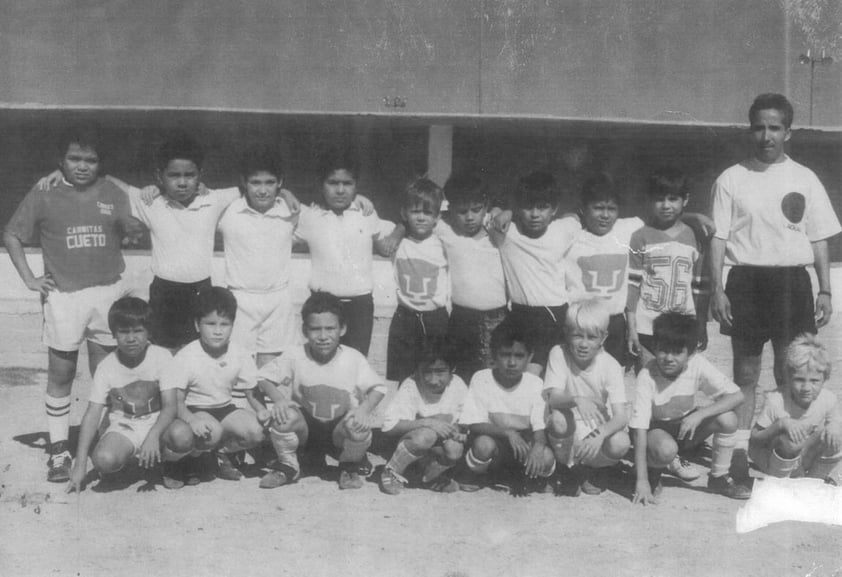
<point x="179" y="147"/>
<point x="85" y="135"/>
<point x="535" y="188"/>
<point x="772" y="101"/>
<point x="673" y="332"/>
<point x="333" y="160"/>
<point x="261" y="159"/>
<point x="666" y="181"/>
<point x="599" y="188"/>
<point x="320" y="302"/>
<point x="433" y="350"/>
<point x="215" y="299"/>
<point x="462" y="189"/>
<point x="511" y="331"/>
<point x="423" y="192"/>
<point x="128" y="312"/>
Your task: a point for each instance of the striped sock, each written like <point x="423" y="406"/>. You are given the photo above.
<point x="401" y="459"/>
<point x="58" y="417"/>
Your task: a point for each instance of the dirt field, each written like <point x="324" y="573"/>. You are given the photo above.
<point x="311" y="528"/>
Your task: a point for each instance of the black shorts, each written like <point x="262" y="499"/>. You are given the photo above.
<point x="768" y="303"/>
<point x="320" y="435"/>
<point x="546" y="325"/>
<point x="615" y="342"/>
<point x="469" y="339"/>
<point x="218" y="413"/>
<point x="409" y="331"/>
<point x="672" y="428"/>
<point x="172" y="306"/>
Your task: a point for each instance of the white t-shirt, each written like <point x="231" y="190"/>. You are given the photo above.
<point x="823" y="411"/>
<point x="208" y="381"/>
<point x="341" y="248"/>
<point x="182" y="236"/>
<point x="421" y="274"/>
<point x="409" y="405"/>
<point x="601" y="381"/>
<point x="324" y="391"/>
<point x="600" y="264"/>
<point x="476" y="271"/>
<point x="770" y="213"/>
<point x="658" y="398"/>
<point x="535" y="268"/>
<point x="131" y="391"/>
<point x="521" y="407"/>
<point x="258" y="246"/>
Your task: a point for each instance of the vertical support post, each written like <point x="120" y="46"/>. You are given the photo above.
<point x="440" y="153"/>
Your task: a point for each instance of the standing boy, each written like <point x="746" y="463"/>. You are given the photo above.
<point x="422" y="281"/>
<point x="665" y="266"/>
<point x="423" y="415"/>
<point x="773" y="218"/>
<point x="666" y="417"/>
<point x="141" y="420"/>
<point x="257" y="231"/>
<point x="799" y="432"/>
<point x="504" y="411"/>
<point x="532" y="252"/>
<point x="79" y="225"/>
<point x="477" y="284"/>
<point x="324" y="395"/>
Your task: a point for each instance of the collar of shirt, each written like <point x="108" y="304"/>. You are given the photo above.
<point x="201" y="201"/>
<point x="322" y="211"/>
<point x="279" y="210"/>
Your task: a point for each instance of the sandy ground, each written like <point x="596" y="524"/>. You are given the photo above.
<point x="311" y="528"/>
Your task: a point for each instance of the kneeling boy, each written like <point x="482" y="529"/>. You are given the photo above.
<point x="423" y="415"/>
<point x="504" y="410"/>
<point x="204" y="373"/>
<point x="586" y="395"/>
<point x="324" y="396"/>
<point x="666" y="417"/>
<point x="799" y="432"/>
<point x="140" y="417"/>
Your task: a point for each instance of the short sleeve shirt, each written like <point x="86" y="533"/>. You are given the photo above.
<point x="258" y="246"/>
<point x="658" y="398"/>
<point x="131" y="391"/>
<point x="421" y="274"/>
<point x="476" y="271"/>
<point x="409" y="404"/>
<point x="768" y="214"/>
<point x="206" y="380"/>
<point x="325" y="391"/>
<point x="183" y="236"/>
<point x="341" y="248"/>
<point x="599" y="264"/>
<point x="822" y="411"/>
<point x="80" y="232"/>
<point x="601" y="381"/>
<point x="520" y="408"/>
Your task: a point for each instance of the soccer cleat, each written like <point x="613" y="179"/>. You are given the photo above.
<point x="172" y="475"/>
<point x="470" y="482"/>
<point x="726" y="486"/>
<point x="350" y="479"/>
<point x="390" y="482"/>
<point x="683" y="469"/>
<point x="278" y="477"/>
<point x="192" y="470"/>
<point x="225" y="469"/>
<point x="585" y="478"/>
<point x="565" y="483"/>
<point x="442" y="484"/>
<point x="364" y="467"/>
<point x="58" y="466"/>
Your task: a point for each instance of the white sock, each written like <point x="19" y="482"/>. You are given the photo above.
<point x="721" y="453"/>
<point x="286" y="445"/>
<point x="58" y="417"/>
<point x="401" y="459"/>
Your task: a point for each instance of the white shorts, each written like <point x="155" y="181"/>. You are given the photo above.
<point x="135" y="429"/>
<point x="72" y="317"/>
<point x="582" y="430"/>
<point x="265" y="322"/>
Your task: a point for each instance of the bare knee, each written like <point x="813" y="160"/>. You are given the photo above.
<point x="420" y="440"/>
<point x="727" y="422"/>
<point x="561" y="423"/>
<point x="787" y="449"/>
<point x="661" y="448"/>
<point x="617" y="445"/>
<point x="178" y="437"/>
<point x="453" y="450"/>
<point x="107" y="461"/>
<point x="484" y="447"/>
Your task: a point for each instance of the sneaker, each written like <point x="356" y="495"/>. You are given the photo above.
<point x="278" y="477"/>
<point x="225" y="469"/>
<point x="390" y="482"/>
<point x="58" y="466"/>
<point x="172" y="476"/>
<point x="565" y="483"/>
<point x="364" y="467"/>
<point x="539" y="485"/>
<point x="585" y="477"/>
<point x="725" y="485"/>
<point x="442" y="484"/>
<point x="470" y="482"/>
<point x="683" y="469"/>
<point x="350" y="479"/>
